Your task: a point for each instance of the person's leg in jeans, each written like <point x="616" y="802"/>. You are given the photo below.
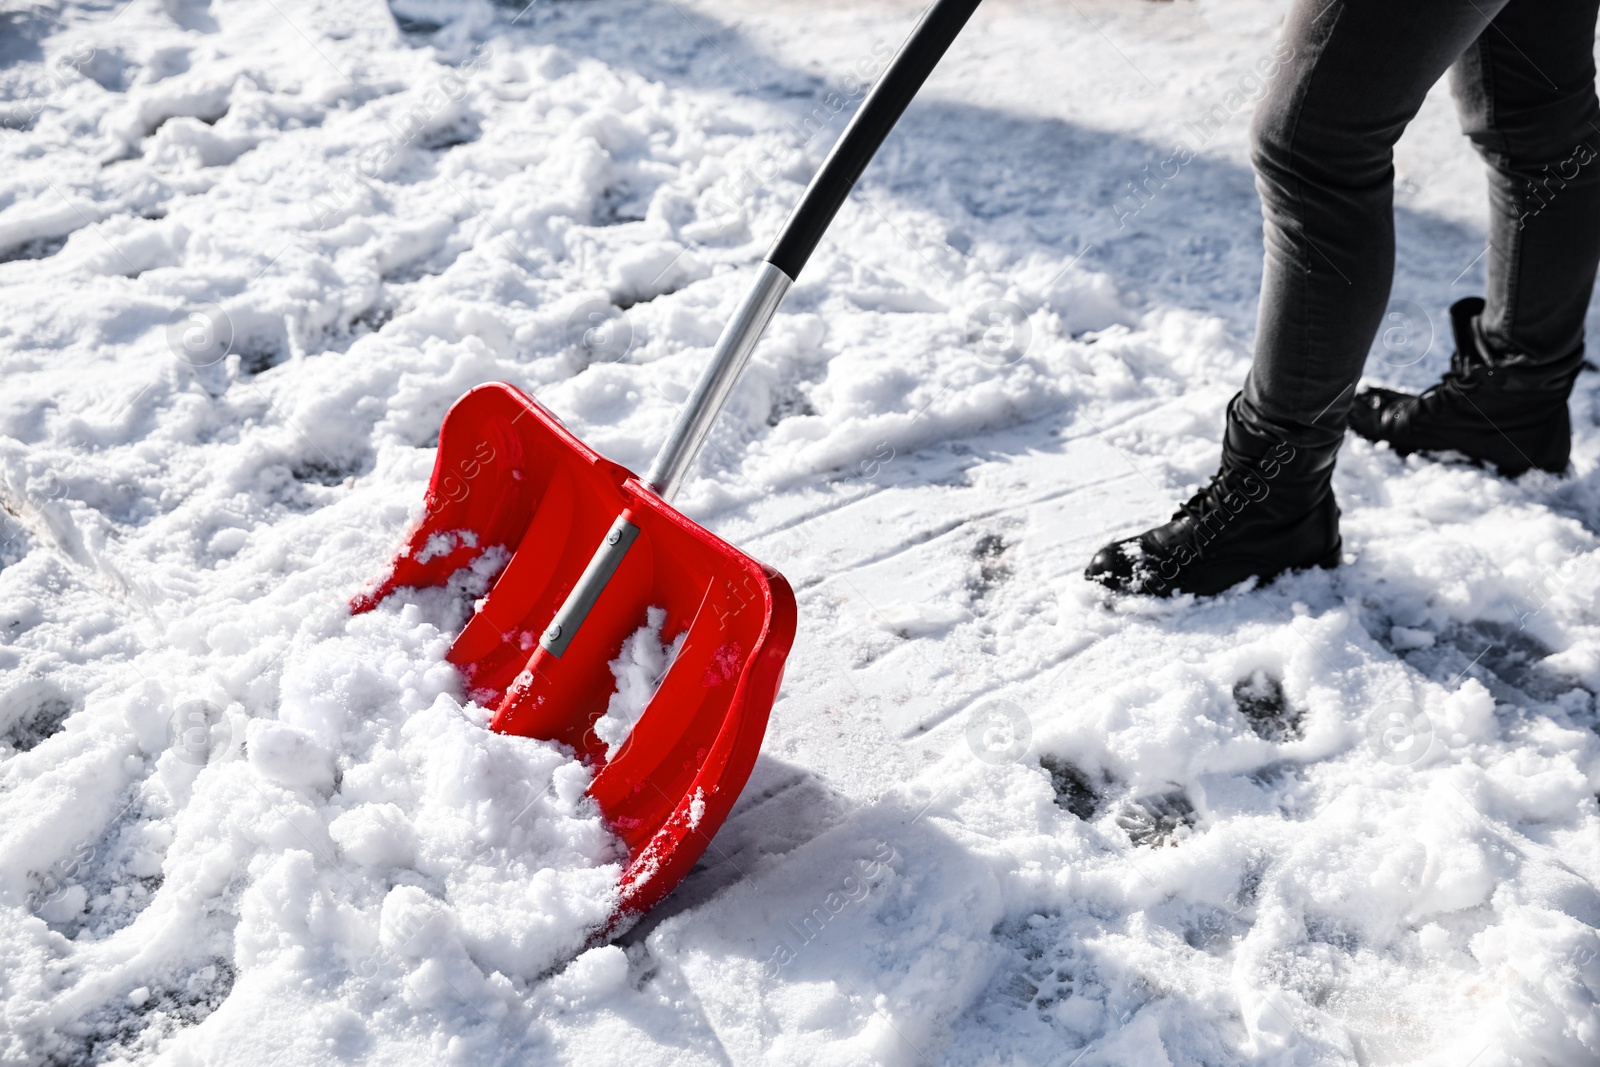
<point x="1324" y="138"/>
<point x="1324" y="158"/>
<point x="1525" y="91"/>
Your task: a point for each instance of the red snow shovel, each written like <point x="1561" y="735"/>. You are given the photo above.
<point x="592" y="547"/>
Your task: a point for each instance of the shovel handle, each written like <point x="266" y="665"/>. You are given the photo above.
<point x="878" y="113"/>
<point x="809" y="220"/>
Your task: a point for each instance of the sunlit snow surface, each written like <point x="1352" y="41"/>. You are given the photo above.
<point x="254" y="250"/>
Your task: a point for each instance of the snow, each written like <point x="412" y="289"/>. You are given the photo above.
<point x="252" y="252"/>
<point x="637" y="671"/>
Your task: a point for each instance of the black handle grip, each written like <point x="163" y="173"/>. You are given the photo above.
<point x="870" y="125"/>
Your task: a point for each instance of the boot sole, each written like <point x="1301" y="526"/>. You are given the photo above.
<point x="1327" y="562"/>
<point x="1332" y="559"/>
<point x="1509" y="467"/>
<point x="1510" y="470"/>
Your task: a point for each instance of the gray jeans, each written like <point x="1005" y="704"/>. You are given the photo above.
<point x="1323" y="148"/>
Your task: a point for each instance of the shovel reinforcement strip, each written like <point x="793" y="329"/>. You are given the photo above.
<point x="602" y="565"/>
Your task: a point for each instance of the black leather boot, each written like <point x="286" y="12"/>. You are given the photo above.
<point x="1503" y="410"/>
<point x="1269" y="509"/>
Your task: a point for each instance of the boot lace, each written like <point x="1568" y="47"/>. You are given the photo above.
<point x="1208" y="500"/>
<point x="1466" y="373"/>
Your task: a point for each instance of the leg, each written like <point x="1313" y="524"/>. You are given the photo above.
<point x="1354" y="73"/>
<point x="1525" y="91"/>
<point x="1324" y="151"/>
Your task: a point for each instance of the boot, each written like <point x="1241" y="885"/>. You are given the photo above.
<point x="1269" y="509"/>
<point x="1503" y="410"/>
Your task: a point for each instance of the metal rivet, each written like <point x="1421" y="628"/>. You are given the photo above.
<point x="613" y="537"/>
<point x="554" y="633"/>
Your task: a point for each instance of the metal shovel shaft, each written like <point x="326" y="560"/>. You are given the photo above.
<point x="728" y="361"/>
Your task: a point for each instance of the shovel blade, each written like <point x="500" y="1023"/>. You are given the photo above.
<point x="510" y="479"/>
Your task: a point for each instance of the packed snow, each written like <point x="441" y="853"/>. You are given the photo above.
<point x="249" y="255"/>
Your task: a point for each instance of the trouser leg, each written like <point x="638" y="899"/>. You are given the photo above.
<point x="1525" y="92"/>
<point x="1323" y="148"/>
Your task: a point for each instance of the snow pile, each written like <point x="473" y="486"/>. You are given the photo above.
<point x="249" y="255"/>
<point x="368" y="852"/>
<point x="638" y="670"/>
